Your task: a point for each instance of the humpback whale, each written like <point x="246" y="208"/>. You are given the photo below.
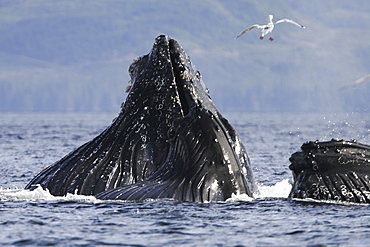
<point x="168" y="141"/>
<point x="335" y="170"/>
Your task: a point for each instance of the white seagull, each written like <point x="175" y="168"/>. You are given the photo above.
<point x="355" y="83"/>
<point x="266" y="29"/>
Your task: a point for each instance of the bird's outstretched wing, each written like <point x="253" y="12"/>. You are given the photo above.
<point x="247" y="29"/>
<point x="290" y="21"/>
<point x="355" y="83"/>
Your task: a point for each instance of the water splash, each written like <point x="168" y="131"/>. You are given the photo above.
<point x="240" y="198"/>
<point x="279" y="190"/>
<point x="40" y="194"/>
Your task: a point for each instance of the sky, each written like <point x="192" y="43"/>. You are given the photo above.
<point x="73" y="56"/>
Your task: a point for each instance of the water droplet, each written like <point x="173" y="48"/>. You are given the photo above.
<point x="159" y="107"/>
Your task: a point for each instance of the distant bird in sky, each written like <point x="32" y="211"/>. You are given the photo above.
<point x="355" y="83"/>
<point x="266" y="29"/>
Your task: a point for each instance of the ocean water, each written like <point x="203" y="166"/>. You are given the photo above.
<point x="30" y="142"/>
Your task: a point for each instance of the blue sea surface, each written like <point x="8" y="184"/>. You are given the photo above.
<point x="30" y="142"/>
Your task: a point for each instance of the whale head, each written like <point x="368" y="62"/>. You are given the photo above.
<point x="169" y="141"/>
<point x="335" y="170"/>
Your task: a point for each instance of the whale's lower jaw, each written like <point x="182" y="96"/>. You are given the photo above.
<point x="201" y="166"/>
<point x="344" y="185"/>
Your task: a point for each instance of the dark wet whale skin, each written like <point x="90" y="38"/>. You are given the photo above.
<point x="169" y="141"/>
<point x="336" y="170"/>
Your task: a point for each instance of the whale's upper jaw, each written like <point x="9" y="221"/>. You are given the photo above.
<point x="177" y="87"/>
<point x="328" y="156"/>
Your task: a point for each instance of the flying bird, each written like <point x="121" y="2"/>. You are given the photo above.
<point x="266" y="29"/>
<point x="355" y="83"/>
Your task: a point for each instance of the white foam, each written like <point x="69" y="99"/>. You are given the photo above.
<point x="279" y="190"/>
<point x="310" y="200"/>
<point x="41" y="195"/>
<point x="239" y="198"/>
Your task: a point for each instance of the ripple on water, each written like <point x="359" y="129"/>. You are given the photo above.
<point x="37" y="218"/>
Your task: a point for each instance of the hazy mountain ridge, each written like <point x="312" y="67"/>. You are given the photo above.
<point x="74" y="55"/>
